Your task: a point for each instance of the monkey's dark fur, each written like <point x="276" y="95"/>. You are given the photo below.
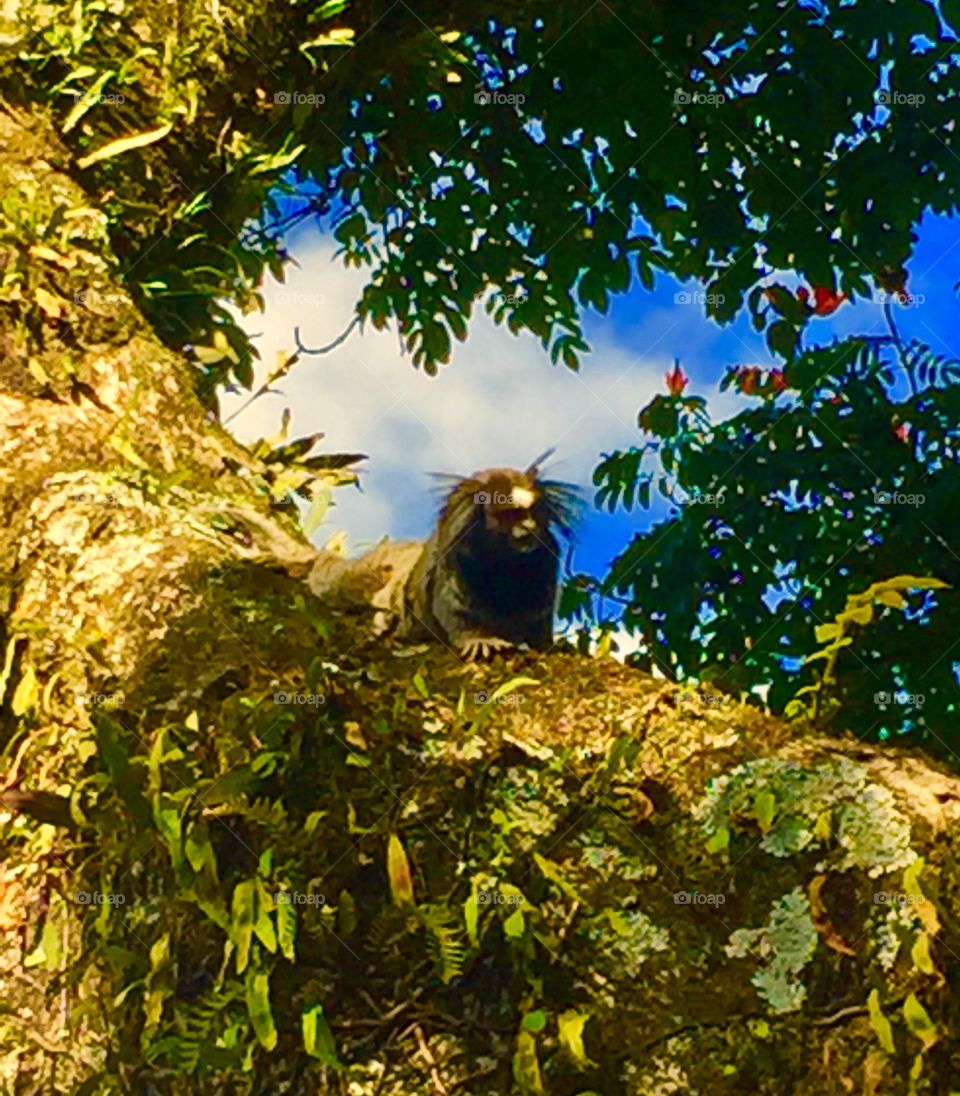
<point x="487" y="578"/>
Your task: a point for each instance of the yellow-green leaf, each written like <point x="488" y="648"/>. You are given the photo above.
<point x="125" y="144"/>
<point x="570" y="1025"/>
<point x="879" y="1022"/>
<point x="764" y="809"/>
<point x="258" y="1007"/>
<point x="241" y="922"/>
<point x="471" y="916"/>
<point x="318" y="1039"/>
<point x="719" y="841"/>
<point x="920" y="953"/>
<point x="919" y="1022"/>
<point x="399" y="873"/>
<point x="526" y="1067"/>
<point x="26" y="694"/>
<point x="52" y="306"/>
<point x="514" y="925"/>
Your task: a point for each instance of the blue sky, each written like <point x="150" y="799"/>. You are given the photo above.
<point x="501" y="402"/>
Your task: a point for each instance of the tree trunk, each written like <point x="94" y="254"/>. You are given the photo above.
<point x="708" y="895"/>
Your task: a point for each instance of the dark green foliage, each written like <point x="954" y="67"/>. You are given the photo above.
<point x="784" y="511"/>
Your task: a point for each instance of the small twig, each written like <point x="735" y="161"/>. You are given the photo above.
<point x="438" y="1086"/>
<point x="339" y="340"/>
<point x="291" y="360"/>
<point x="841" y="1014"/>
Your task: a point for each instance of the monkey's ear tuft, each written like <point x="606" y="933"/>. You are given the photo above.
<point x="565" y="505"/>
<point x="533" y="469"/>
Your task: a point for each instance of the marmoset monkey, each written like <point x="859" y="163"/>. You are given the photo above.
<point x="487" y="578"/>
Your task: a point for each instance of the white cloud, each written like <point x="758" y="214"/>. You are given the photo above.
<point x="501" y="402"/>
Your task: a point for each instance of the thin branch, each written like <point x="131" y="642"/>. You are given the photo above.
<point x="277" y="373"/>
<point x="40" y="806"/>
<point x="338" y="341"/>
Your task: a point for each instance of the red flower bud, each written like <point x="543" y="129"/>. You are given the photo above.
<point x="676" y="380"/>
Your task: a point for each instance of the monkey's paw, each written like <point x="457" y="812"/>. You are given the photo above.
<point x="473" y="647"/>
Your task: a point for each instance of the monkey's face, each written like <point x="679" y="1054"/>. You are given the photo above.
<point x="512" y="512"/>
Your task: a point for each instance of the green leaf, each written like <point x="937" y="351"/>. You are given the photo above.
<point x="399" y="873"/>
<point x="535" y="1021"/>
<point x="570" y="1025"/>
<point x="287" y="929"/>
<point x="919" y="1022"/>
<point x="526" y="1066"/>
<point x="243" y="916"/>
<point x="765" y="809"/>
<point x="258" y="1007"/>
<point x="318" y="1039"/>
<point x="471" y="917"/>
<point x="514" y="925"/>
<point x="125" y="144"/>
<point x="719" y="840"/>
<point x="880" y="1024"/>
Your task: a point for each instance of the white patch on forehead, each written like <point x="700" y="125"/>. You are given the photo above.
<point x="523" y="498"/>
